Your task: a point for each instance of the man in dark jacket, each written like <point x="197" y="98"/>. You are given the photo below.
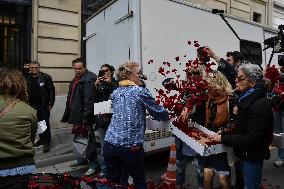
<point x="229" y="66"/>
<point x="41" y="97"/>
<point x="80" y="109"/>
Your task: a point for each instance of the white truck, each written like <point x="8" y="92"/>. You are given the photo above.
<point x="157" y="31"/>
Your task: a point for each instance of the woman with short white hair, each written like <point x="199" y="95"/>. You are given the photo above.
<point x="254" y="129"/>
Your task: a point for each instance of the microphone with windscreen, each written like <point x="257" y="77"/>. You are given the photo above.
<point x="217" y="11"/>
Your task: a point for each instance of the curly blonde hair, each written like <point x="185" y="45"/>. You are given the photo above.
<point x="125" y="70"/>
<point x="199" y="70"/>
<point x="216" y="78"/>
<point x="13" y="83"/>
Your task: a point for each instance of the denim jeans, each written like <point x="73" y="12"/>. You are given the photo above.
<point x="102" y="133"/>
<point x="279" y="128"/>
<point x="16" y="178"/>
<point x="27" y="169"/>
<point x="182" y="160"/>
<point x="124" y="161"/>
<point x="252" y="171"/>
<point x="180" y="171"/>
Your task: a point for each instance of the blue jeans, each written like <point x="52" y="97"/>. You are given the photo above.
<point x="22" y="170"/>
<point x="17" y="177"/>
<point x="180" y="171"/>
<point x="181" y="162"/>
<point x="279" y="128"/>
<point x="102" y="133"/>
<point x="252" y="171"/>
<point x="124" y="161"/>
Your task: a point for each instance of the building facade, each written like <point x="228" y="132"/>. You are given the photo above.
<point x="47" y="31"/>
<point x="278" y="13"/>
<point x="266" y="12"/>
<point x="56" y="38"/>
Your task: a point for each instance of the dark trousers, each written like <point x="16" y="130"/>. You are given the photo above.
<point x="14" y="182"/>
<point x="239" y="176"/>
<point x="44" y="114"/>
<point x="124" y="161"/>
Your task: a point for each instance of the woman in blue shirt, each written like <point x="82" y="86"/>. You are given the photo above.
<point x="123" y="149"/>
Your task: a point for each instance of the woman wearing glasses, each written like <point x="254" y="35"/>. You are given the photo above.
<point x="123" y="148"/>
<point x="104" y="86"/>
<point x="254" y="128"/>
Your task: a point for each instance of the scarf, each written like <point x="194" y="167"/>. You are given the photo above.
<point x="244" y="95"/>
<point x="125" y="83"/>
<point x="76" y="81"/>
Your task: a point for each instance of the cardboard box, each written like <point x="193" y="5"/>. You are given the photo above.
<point x="278" y="140"/>
<point x="199" y="146"/>
<point x="104" y="107"/>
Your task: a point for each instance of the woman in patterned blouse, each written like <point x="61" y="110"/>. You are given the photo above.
<point x="123" y="149"/>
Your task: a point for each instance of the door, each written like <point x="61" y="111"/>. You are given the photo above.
<point x="15" y="34"/>
<point x="10" y="46"/>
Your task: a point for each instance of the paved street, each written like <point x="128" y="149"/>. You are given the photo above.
<point x="156" y="165"/>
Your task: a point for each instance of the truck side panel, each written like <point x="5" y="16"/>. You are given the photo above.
<point x="113" y="41"/>
<point x="167" y="26"/>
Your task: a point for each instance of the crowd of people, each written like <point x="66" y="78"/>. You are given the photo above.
<point x="244" y="123"/>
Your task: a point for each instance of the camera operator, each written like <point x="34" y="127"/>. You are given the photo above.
<point x="229" y="66"/>
<point x="279" y="117"/>
<point x="104" y="86"/>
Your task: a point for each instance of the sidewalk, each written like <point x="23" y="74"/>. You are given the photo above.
<point x="63" y="168"/>
<point x="61" y="149"/>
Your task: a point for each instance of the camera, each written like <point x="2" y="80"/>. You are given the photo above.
<point x="101" y="73"/>
<point x="276" y="42"/>
<point x="281" y="60"/>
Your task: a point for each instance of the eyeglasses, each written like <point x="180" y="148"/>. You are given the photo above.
<point x="239" y="79"/>
<point x="106" y="70"/>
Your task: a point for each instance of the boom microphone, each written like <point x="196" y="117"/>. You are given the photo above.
<point x="217" y="11"/>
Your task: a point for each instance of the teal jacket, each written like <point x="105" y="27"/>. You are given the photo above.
<point x="17" y="134"/>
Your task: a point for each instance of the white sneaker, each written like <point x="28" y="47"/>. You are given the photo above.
<point x="279" y="163"/>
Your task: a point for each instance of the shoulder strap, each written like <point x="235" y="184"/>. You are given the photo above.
<point x="8" y="108"/>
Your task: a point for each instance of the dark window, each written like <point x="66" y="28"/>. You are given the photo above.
<point x="256" y="17"/>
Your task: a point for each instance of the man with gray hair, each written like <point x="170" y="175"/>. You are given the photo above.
<point x="42" y="97"/>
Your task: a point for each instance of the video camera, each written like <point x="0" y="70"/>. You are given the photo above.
<point x="277" y="43"/>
